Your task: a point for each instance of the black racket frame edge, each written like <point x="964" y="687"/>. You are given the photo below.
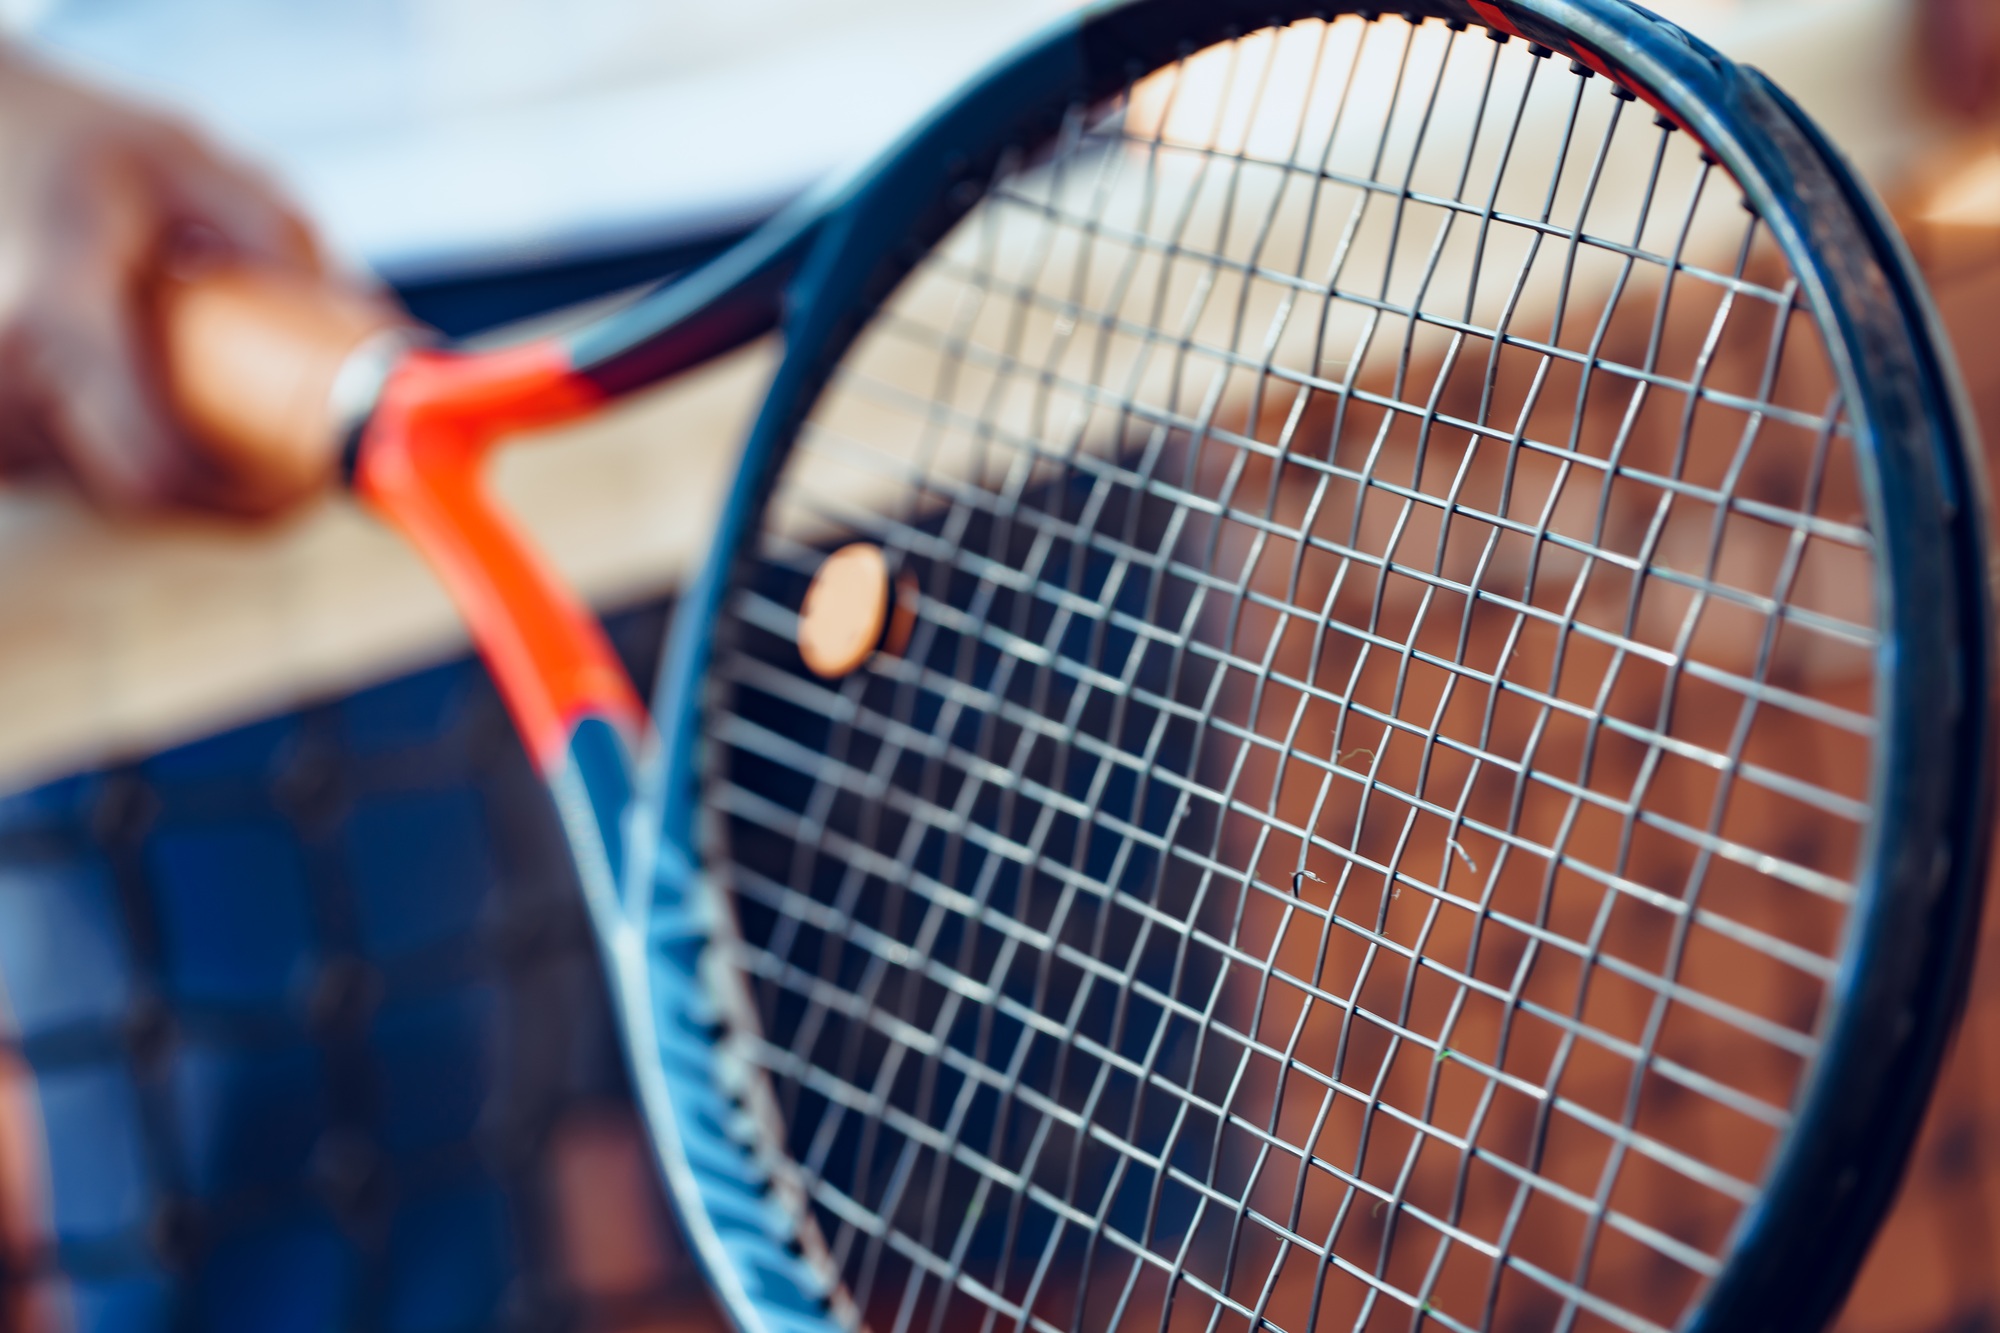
<point x="821" y="270"/>
<point x="1918" y="921"/>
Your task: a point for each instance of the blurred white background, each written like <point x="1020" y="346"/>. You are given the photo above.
<point x="443" y="137"/>
<point x="428" y="134"/>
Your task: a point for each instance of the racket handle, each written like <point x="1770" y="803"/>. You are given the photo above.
<point x="272" y="372"/>
<point x="255" y="361"/>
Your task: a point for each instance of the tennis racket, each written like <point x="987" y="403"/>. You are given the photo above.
<point x="1344" y="685"/>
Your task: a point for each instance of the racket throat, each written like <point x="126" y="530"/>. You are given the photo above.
<point x="420" y="467"/>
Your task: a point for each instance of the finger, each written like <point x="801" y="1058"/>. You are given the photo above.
<point x="107" y="431"/>
<point x="26" y="447"/>
<point x="210" y="200"/>
<point x="93" y="373"/>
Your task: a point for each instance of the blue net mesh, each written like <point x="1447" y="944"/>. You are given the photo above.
<point x="315" y="1033"/>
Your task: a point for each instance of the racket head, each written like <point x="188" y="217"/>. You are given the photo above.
<point x="1888" y="989"/>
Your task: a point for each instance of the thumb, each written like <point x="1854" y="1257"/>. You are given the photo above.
<point x="97" y="404"/>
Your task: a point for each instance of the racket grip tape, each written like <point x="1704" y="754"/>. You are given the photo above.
<point x="256" y="366"/>
<point x="253" y="362"/>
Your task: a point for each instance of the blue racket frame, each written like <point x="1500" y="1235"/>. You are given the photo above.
<point x="820" y="270"/>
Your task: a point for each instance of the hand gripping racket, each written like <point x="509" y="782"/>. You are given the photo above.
<point x="1344" y="686"/>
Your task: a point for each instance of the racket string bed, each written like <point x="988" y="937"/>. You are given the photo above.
<point x="1362" y="829"/>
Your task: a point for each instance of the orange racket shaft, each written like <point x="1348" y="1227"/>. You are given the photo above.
<point x="274" y="376"/>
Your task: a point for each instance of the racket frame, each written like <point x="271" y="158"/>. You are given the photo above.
<point x="628" y="793"/>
